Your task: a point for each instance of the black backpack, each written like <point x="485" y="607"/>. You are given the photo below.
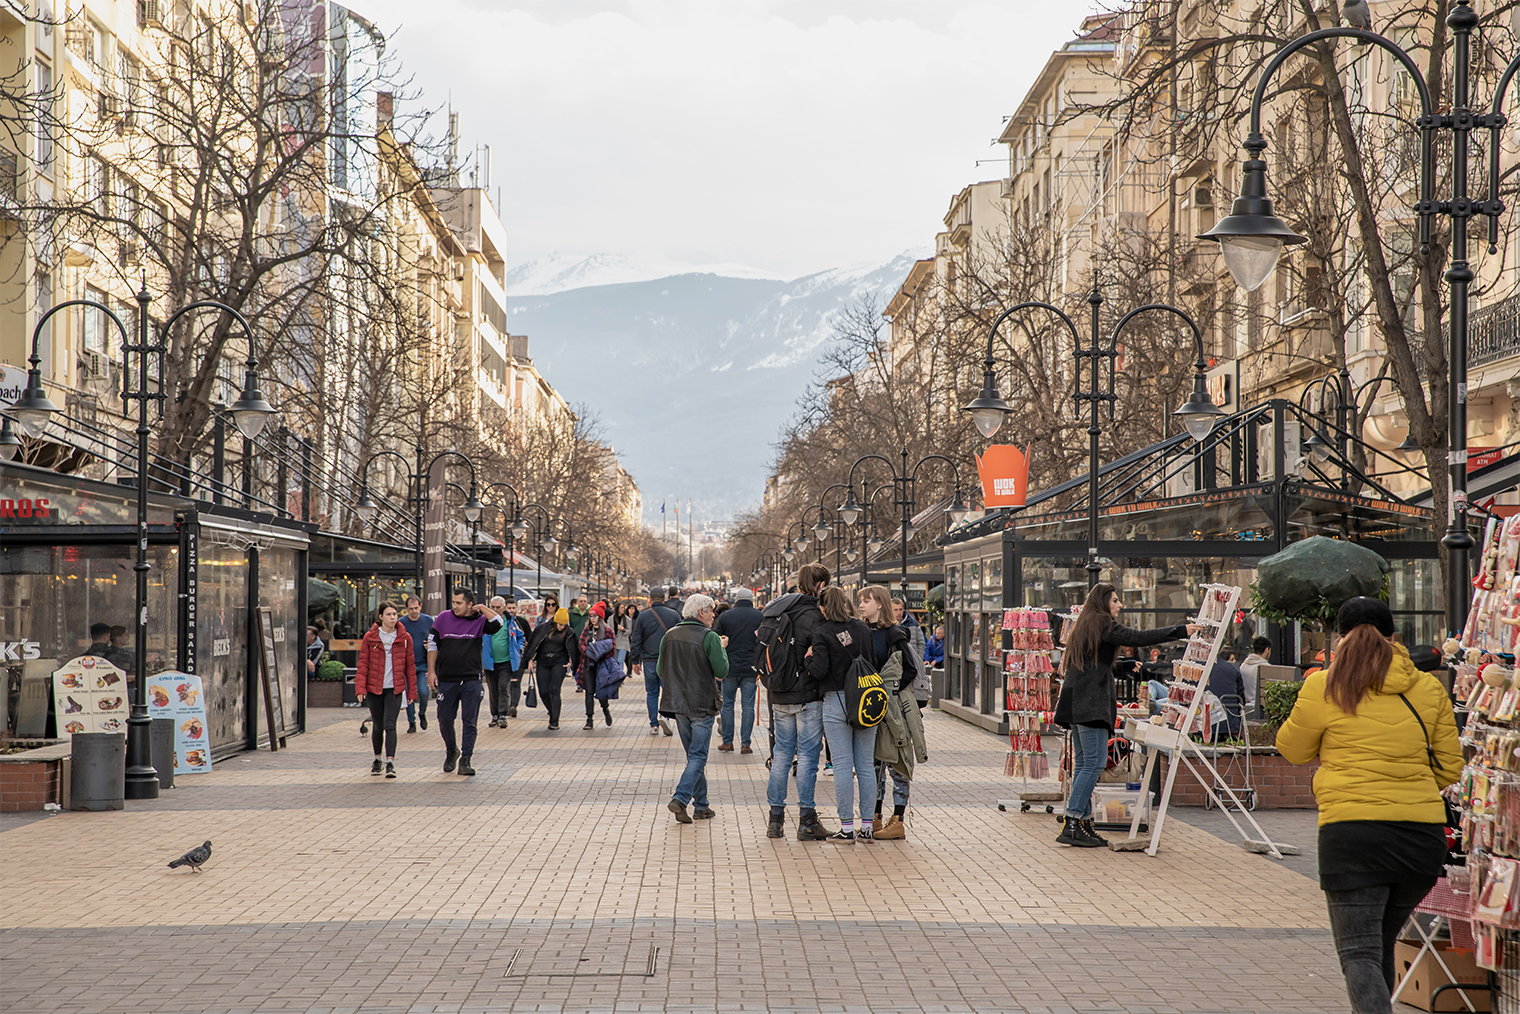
<point x="778" y="656"/>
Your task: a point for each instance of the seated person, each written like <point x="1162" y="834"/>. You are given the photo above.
<point x="1229" y="687"/>
<point x="934" y="649"/>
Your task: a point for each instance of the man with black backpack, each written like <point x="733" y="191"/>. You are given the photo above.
<point x="795" y="698"/>
<point x="644" y="647"/>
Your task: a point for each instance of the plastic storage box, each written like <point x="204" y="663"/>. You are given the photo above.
<point x="1115" y="804"/>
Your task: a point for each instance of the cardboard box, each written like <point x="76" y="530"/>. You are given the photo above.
<point x="1425" y="977"/>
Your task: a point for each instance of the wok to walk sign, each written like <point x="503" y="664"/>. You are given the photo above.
<point x="1004" y="470"/>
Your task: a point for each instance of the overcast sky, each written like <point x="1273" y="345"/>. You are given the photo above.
<point x="788" y="136"/>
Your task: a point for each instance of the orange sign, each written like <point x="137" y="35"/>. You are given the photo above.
<point x="1004" y="471"/>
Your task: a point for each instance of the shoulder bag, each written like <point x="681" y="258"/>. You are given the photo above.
<point x="1453" y="816"/>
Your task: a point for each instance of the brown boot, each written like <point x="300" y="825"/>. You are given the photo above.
<point x="892" y="830"/>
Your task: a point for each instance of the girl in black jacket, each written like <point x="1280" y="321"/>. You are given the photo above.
<point x="556" y="651"/>
<point x="887" y="639"/>
<point x="838" y="639"/>
<point x="1088" y="705"/>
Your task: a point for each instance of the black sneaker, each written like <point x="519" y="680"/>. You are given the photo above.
<point x="511" y="712"/>
<point x="863" y="831"/>
<point x="607" y="714"/>
<point x="390" y="769"/>
<point x="590" y="724"/>
<point x="842" y="837"/>
<point x="704" y="813"/>
<point x="492" y="723"/>
<point x="375" y="768"/>
<point x="809" y="828"/>
<point x="464" y="766"/>
<point x="679" y="809"/>
<point x="412" y="727"/>
<point x="554" y="727"/>
<point x="773" y="827"/>
<point x="450" y="760"/>
<point x="422" y="718"/>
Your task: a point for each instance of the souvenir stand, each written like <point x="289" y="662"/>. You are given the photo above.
<point x="1488" y="791"/>
<point x="1186" y="711"/>
<point x="1030" y="691"/>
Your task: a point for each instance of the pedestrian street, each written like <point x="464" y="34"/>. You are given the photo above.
<point x="554" y="878"/>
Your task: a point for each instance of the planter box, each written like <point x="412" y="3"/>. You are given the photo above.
<point x="1278" y="784"/>
<point x="324" y="693"/>
<point x="34" y="777"/>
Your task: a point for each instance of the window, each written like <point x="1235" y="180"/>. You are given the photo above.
<point x="97" y="336"/>
<point x="44" y="304"/>
<point x="45" y="100"/>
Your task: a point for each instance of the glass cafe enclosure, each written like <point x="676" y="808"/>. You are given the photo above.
<point x="1167" y="525"/>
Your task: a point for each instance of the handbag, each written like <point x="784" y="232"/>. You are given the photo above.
<point x="1453" y="815"/>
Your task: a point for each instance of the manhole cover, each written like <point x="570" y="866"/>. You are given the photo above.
<point x="580" y="965"/>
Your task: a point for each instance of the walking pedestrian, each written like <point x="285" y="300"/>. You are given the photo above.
<point x="1088" y="705"/>
<point x="554" y="652"/>
<point x="740" y="623"/>
<point x="838" y="639"/>
<point x="890" y="638"/>
<point x="419" y="626"/>
<point x="796" y="702"/>
<point x="1386" y="740"/>
<point x="387" y="666"/>
<point x="596" y="629"/>
<point x="644" y="645"/>
<point x="580" y="612"/>
<point x="623" y="626"/>
<point x="455" y="651"/>
<point x="921" y="683"/>
<point x="550" y="607"/>
<point x="692" y="664"/>
<point x="495" y="668"/>
<point x="507" y="646"/>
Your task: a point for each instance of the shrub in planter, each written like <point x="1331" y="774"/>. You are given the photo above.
<point x="1277" y="700"/>
<point x="329" y="670"/>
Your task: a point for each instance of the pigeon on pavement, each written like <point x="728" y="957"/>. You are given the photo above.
<point x="194" y="858"/>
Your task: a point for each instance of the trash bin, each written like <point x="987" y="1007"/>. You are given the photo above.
<point x="98" y="780"/>
<point x="162" y="738"/>
<point x="350" y="695"/>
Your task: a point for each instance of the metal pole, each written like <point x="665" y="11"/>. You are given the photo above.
<point x="1457" y="539"/>
<point x="218" y="456"/>
<point x="141" y="778"/>
<point x="419" y="487"/>
<point x="1094" y="301"/>
<point x="906" y="503"/>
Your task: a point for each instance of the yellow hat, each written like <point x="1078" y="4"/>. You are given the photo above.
<point x="562" y="615"/>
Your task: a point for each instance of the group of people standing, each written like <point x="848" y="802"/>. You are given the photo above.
<point x="810" y="639"/>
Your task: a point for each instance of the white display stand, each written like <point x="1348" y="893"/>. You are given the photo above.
<point x="1190" y="680"/>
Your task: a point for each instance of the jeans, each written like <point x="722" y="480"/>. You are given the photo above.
<point x="455" y="696"/>
<point x="383" y="709"/>
<point x="413" y="706"/>
<point x="1365" y="924"/>
<point x="849" y="745"/>
<point x="622" y="657"/>
<point x="696" y="737"/>
<point x="745" y="686"/>
<point x="498" y="682"/>
<point x="800" y="736"/>
<point x="899" y="786"/>
<point x="1090" y="745"/>
<point x="551" y="681"/>
<point x="652" y="687"/>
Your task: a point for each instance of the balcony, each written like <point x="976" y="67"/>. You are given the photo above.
<point x="1493" y="333"/>
<point x="8" y="175"/>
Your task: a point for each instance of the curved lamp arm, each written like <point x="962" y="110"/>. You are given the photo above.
<point x="34" y="408"/>
<point x="251" y="410"/>
<point x="1199" y="414"/>
<point x="988" y="409"/>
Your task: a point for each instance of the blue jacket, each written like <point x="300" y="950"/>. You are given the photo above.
<point x="934" y="651"/>
<point x="649" y="631"/>
<point x="418" y="630"/>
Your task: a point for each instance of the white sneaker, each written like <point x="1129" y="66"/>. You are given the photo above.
<point x="654" y="730"/>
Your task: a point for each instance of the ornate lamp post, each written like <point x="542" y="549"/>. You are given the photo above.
<point x="1198" y="414"/>
<point x="904" y="482"/>
<point x="34" y="410"/>
<point x="367" y="509"/>
<point x="1251" y="238"/>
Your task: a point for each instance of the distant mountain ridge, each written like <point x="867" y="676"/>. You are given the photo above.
<point x="694" y="374"/>
<point x="556" y="272"/>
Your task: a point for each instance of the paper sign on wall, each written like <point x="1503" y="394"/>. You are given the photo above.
<point x="1004" y="470"/>
<point x="177" y="696"/>
<point x="89" y="695"/>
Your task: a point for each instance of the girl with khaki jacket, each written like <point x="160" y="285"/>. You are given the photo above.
<point x="1386" y="740"/>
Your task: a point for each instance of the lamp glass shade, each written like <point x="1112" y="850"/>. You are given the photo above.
<point x="1198" y="426"/>
<point x="874" y="545"/>
<point x="801" y="544"/>
<point x="10" y="444"/>
<point x="852" y="554"/>
<point x="1319" y="447"/>
<point x="365" y="508"/>
<point x="34" y="408"/>
<point x="1408" y="451"/>
<point x="250" y="412"/>
<point x="549" y="542"/>
<point x="789" y="555"/>
<point x="958" y="511"/>
<point x="849" y="511"/>
<point x="1250" y="259"/>
<point x="519" y="528"/>
<point x="822" y="531"/>
<point x="987" y="421"/>
<point x="472" y="509"/>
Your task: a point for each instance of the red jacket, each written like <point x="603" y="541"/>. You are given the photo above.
<point x="371" y="677"/>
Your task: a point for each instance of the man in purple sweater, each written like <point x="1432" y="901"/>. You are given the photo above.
<point x="454" y="671"/>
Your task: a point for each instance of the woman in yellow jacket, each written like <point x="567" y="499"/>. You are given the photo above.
<point x="1386" y="740"/>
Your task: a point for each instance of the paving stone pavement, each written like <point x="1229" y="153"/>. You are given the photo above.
<point x="555" y="878"/>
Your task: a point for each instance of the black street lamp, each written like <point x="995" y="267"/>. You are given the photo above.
<point x="513" y="527"/>
<point x="542" y="541"/>
<point x="1251" y="237"/>
<point x="367" y="508"/>
<point x="1198" y="414"/>
<point x="822" y="530"/>
<point x="1332" y="438"/>
<point x="904" y="482"/>
<point x="34" y="410"/>
<point x="472" y="505"/>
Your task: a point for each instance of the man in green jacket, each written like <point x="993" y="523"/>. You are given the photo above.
<point x="580" y="613"/>
<point x="693" y="662"/>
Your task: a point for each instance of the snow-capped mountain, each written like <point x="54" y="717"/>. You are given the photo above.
<point x="557" y="272"/>
<point x="694" y="374"/>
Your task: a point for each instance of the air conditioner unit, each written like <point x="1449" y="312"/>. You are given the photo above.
<point x="95" y="372"/>
<point x="1203" y="197"/>
<point x="129" y="252"/>
<point x="459" y="271"/>
<point x="150" y="13"/>
<point x="109" y="106"/>
<point x="1006" y="190"/>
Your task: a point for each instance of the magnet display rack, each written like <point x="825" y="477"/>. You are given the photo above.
<point x="1029" y="695"/>
<point x="1186" y="712"/>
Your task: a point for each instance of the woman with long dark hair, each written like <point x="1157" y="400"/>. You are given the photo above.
<point x="1088" y="705"/>
<point x="1387" y="744"/>
<point x="387" y="667"/>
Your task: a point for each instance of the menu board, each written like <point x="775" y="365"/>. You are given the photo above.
<point x="177" y="696"/>
<point x="89" y="695"/>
